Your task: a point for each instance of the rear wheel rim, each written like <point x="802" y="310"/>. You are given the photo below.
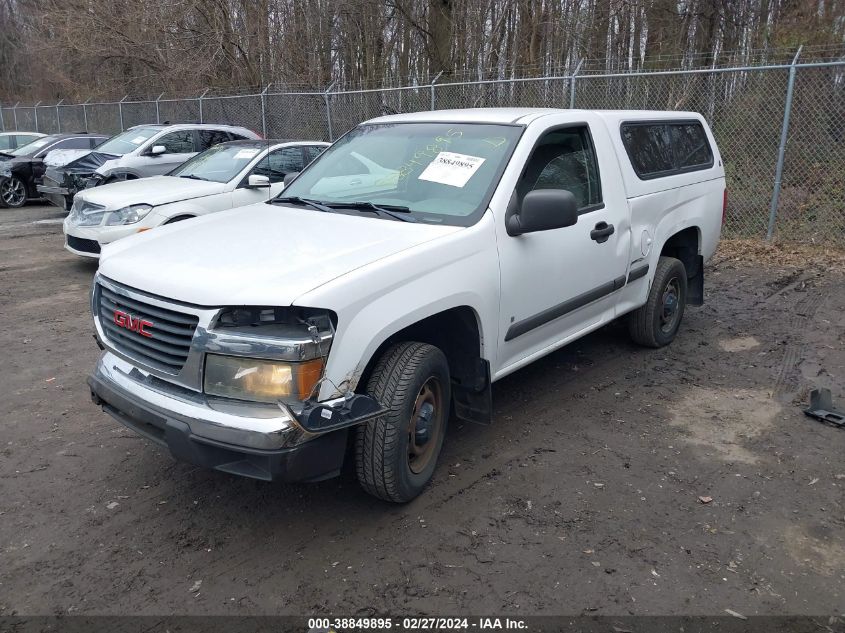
<point x="12" y="192"/>
<point x="670" y="310"/>
<point x="426" y="425"/>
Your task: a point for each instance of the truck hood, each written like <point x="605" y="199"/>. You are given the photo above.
<point x="262" y="254"/>
<point x="155" y="191"/>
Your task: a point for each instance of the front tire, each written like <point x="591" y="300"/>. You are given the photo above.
<point x="657" y="322"/>
<point x="396" y="454"/>
<point x="13" y="192"/>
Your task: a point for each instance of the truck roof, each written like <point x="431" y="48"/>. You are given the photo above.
<point x="524" y="115"/>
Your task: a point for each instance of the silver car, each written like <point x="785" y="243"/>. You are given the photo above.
<point x="140" y="151"/>
<point x="14" y="140"/>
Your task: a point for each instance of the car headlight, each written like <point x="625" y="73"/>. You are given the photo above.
<point x="128" y="215"/>
<point x="260" y="380"/>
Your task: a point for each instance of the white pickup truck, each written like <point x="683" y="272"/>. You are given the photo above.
<point x="418" y="260"/>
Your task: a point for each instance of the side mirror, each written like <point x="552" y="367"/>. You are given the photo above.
<point x="289" y="178"/>
<point x="155" y="150"/>
<point x="542" y="210"/>
<point x="258" y="181"/>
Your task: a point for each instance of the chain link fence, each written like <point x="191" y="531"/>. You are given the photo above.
<point x="784" y="149"/>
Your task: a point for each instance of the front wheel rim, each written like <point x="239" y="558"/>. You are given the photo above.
<point x="12" y="192"/>
<point x="670" y="310"/>
<point x="426" y="425"/>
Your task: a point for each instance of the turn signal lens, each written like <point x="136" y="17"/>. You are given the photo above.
<point x="260" y="380"/>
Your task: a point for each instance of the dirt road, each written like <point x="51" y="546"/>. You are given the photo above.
<point x="583" y="497"/>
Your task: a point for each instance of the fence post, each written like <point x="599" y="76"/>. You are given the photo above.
<point x="15" y="114"/>
<point x="59" y="116"/>
<point x="201" y="96"/>
<point x="85" y="112"/>
<point x="784" y="132"/>
<point x="329" y="110"/>
<point x="2" y="120"/>
<point x="434" y="81"/>
<point x="158" y="113"/>
<point x="264" y="111"/>
<point x="120" y="110"/>
<point x="35" y="111"/>
<point x="572" y="84"/>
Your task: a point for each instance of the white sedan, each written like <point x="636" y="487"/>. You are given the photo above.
<point x="225" y="176"/>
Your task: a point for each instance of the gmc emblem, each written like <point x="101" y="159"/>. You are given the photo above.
<point x="132" y="323"/>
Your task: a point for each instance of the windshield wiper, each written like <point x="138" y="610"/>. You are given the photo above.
<point x="193" y="177"/>
<point x="388" y="210"/>
<point x="303" y="201"/>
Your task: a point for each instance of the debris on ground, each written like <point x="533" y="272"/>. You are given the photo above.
<point x="821" y="408"/>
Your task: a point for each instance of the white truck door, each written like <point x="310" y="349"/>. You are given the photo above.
<point x="559" y="283"/>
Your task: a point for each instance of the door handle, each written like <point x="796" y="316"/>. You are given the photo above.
<point x="602" y="232"/>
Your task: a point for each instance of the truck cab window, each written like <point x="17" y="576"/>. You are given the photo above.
<point x="564" y="159"/>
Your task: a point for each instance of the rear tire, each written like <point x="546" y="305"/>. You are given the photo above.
<point x="657" y="322"/>
<point x="396" y="454"/>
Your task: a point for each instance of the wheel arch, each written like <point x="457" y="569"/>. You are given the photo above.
<point x="458" y="333"/>
<point x="685" y="245"/>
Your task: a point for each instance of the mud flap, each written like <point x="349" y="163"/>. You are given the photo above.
<point x="474" y="402"/>
<point x="695" y="283"/>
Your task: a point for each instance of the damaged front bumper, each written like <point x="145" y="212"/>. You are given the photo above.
<point x="305" y="441"/>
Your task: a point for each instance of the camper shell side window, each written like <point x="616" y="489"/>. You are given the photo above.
<point x="658" y="149"/>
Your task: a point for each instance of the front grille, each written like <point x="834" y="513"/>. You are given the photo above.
<point x="83" y="245"/>
<point x="169" y="332"/>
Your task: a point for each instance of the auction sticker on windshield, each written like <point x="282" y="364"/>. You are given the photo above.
<point x="449" y="168"/>
<point x="246" y="153"/>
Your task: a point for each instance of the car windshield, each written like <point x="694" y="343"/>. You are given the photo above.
<point x="220" y="163"/>
<point x="32" y="148"/>
<point x="127" y="141"/>
<point x="441" y="172"/>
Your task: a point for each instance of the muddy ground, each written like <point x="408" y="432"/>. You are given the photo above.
<point x="583" y="496"/>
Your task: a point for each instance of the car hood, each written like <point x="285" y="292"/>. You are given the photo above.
<point x="155" y="191"/>
<point x="262" y="254"/>
<point x="61" y="157"/>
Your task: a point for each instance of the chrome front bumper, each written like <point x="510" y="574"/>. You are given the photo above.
<point x="242" y="424"/>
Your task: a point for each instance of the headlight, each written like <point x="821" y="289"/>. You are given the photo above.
<point x="260" y="380"/>
<point x="85" y="214"/>
<point x="128" y="215"/>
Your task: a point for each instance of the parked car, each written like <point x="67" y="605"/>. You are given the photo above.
<point x="14" y="140"/>
<point x="140" y="151"/>
<point x="232" y="174"/>
<point x="256" y="340"/>
<point x="20" y="174"/>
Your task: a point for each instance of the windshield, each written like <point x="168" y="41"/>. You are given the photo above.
<point x="127" y="141"/>
<point x="441" y="172"/>
<point x="221" y="163"/>
<point x="32" y="148"/>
